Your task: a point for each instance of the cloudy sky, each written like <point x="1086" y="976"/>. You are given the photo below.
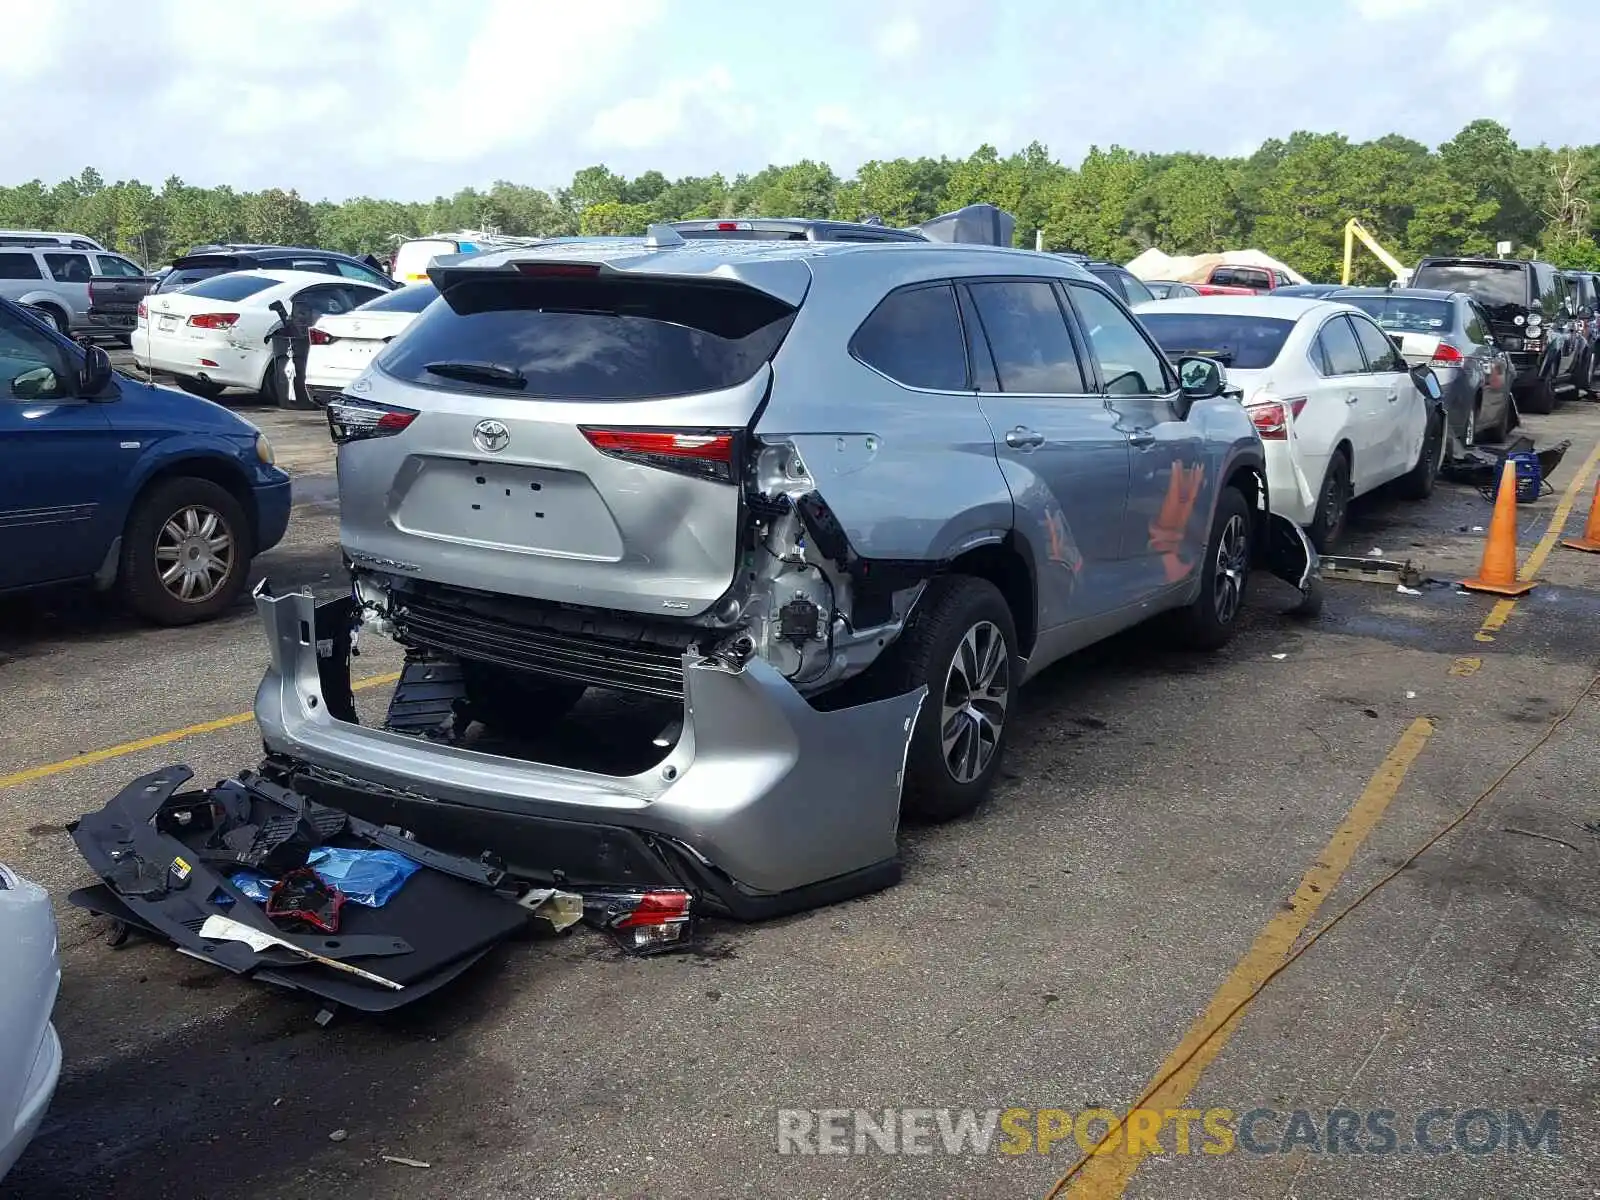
<point x="410" y="98"/>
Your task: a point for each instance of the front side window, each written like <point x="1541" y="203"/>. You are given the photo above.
<point x="30" y="363"/>
<point x="1382" y="356"/>
<point x="1027" y="335"/>
<point x="914" y="337"/>
<point x="117" y="268"/>
<point x="1129" y="364"/>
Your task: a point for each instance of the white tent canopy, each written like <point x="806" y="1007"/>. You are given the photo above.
<point x="1193" y="268"/>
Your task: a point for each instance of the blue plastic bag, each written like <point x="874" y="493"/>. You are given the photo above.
<point x="366" y="877"/>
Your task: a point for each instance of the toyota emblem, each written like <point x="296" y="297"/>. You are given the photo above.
<point x="491" y="436"/>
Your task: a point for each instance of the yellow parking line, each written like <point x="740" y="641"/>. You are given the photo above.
<point x="34" y="774"/>
<point x="1502" y="610"/>
<point x="1105" y="1176"/>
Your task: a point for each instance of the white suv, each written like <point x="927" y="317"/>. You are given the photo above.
<point x="55" y="279"/>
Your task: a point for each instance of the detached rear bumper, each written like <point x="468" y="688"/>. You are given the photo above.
<point x="765" y="805"/>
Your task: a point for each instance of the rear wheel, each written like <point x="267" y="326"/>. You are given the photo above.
<point x="1333" y="504"/>
<point x="1417" y="483"/>
<point x="961" y="643"/>
<point x="58" y="319"/>
<point x="1539" y="399"/>
<point x="203" y="388"/>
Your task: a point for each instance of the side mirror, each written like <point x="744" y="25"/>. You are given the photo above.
<point x="95" y="374"/>
<point x="1201" y="378"/>
<point x="1427" y="382"/>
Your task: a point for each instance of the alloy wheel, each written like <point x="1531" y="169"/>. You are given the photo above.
<point x="1233" y="565"/>
<point x="194" y="554"/>
<point x="977" y="690"/>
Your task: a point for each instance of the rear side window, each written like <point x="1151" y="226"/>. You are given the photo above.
<point x="1340" y="353"/>
<point x="578" y="339"/>
<point x="1133" y="291"/>
<point x="19" y="266"/>
<point x="229" y="287"/>
<point x="1027" y="335"/>
<point x="69" y="268"/>
<point x="914" y="337"/>
<point x="411" y="299"/>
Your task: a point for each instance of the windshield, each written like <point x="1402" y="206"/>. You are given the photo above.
<point x="1405" y="314"/>
<point x="590" y="339"/>
<point x="229" y="287"/>
<point x="1243" y="343"/>
<point x="1490" y="283"/>
<point x="411" y="299"/>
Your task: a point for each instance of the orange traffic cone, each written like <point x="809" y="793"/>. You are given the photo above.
<point x="1590" y="540"/>
<point x="1497" y="573"/>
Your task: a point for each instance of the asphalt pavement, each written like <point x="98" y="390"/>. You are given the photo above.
<point x="1170" y="828"/>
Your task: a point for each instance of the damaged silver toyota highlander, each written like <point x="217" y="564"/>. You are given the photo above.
<point x="821" y="508"/>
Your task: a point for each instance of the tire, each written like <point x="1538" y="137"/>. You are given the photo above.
<point x="1417" y="483"/>
<point x="58" y="318"/>
<point x="176" y="522"/>
<point x="1540" y="399"/>
<point x="1209" y="622"/>
<point x="511" y="702"/>
<point x="960" y="632"/>
<point x="203" y="388"/>
<point x="1333" y="505"/>
<point x="1469" y="436"/>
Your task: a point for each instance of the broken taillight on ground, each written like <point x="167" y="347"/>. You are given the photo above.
<point x="644" y="922"/>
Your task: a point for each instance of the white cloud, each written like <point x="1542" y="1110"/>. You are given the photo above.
<point x="899" y="39"/>
<point x="646" y="121"/>
<point x="1393" y="10"/>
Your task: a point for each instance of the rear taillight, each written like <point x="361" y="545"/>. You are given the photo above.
<point x="214" y="320"/>
<point x="1447" y="355"/>
<point x="351" y="420"/>
<point x="321" y="337"/>
<point x="144" y="311"/>
<point x="1272" y="418"/>
<point x="705" y="454"/>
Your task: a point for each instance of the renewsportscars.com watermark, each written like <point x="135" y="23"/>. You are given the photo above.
<point x="1181" y="1131"/>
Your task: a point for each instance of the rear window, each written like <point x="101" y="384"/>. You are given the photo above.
<point x="1242" y="342"/>
<point x="590" y="339"/>
<point x="1490" y="283"/>
<point x="1402" y="314"/>
<point x="745" y="235"/>
<point x="411" y="299"/>
<point x="195" y="268"/>
<point x="229" y="287"/>
<point x="1241" y="277"/>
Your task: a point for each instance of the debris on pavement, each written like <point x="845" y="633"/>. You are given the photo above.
<point x="1407" y="591"/>
<point x="1373" y="570"/>
<point x="1280" y="657"/>
<point x="338" y="1135"/>
<point x="404" y="1162"/>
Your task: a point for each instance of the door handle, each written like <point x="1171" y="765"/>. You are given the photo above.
<point x="1352" y="399"/>
<point x="1023" y="438"/>
<point x="1394" y="397"/>
<point x="1141" y="437"/>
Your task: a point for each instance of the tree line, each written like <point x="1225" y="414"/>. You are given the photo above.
<point x="1290" y="198"/>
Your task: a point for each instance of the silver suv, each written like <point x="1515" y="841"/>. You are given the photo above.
<point x="830" y="504"/>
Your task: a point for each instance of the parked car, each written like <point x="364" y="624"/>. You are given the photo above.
<point x="343" y="345"/>
<point x="57" y="281"/>
<point x="48" y="237"/>
<point x="792" y="229"/>
<point x="1169" y="289"/>
<point x="1337" y="408"/>
<point x="1257" y="279"/>
<point x="215" y="334"/>
<point x="783" y="489"/>
<point x="1449" y="331"/>
<point x="204" y="262"/>
<point x="30" y="1051"/>
<point x="1524" y="300"/>
<point x="119" y="484"/>
<point x="1121" y="282"/>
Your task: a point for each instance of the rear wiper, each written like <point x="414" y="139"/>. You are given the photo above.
<point x="479" y="372"/>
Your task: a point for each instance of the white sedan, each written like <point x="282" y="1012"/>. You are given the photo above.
<point x="217" y="333"/>
<point x="1329" y="392"/>
<point x="30" y="1051"/>
<point x="343" y="345"/>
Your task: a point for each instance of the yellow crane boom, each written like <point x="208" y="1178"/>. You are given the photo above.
<point x="1355" y="231"/>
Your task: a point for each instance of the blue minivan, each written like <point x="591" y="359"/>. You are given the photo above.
<point x="120" y="484"/>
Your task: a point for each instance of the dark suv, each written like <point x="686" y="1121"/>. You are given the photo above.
<point x="793" y="229"/>
<point x="1583" y="298"/>
<point x="1529" y="314"/>
<point x="1122" y="282"/>
<point x="205" y="261"/>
